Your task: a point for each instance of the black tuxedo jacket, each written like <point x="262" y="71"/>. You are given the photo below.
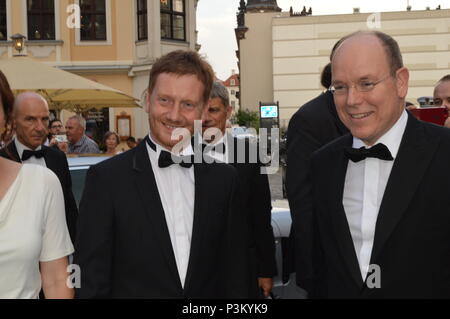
<point x="256" y="202"/>
<point x="56" y="161"/>
<point x="412" y="238"/>
<point x="123" y="245"/>
<point x="314" y="125"/>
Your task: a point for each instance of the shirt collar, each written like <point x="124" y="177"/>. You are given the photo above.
<point x="392" y="138"/>
<point x="187" y="151"/>
<point x="80" y="141"/>
<point x="20" y="147"/>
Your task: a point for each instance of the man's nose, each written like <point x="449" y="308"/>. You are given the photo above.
<point x="353" y="96"/>
<point x="174" y="114"/>
<point x="41" y="126"/>
<point x="205" y="117"/>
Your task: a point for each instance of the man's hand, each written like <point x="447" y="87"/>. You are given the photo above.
<point x="266" y="284"/>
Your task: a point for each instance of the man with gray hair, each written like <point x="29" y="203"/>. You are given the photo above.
<point x="79" y="143"/>
<point x="255" y="190"/>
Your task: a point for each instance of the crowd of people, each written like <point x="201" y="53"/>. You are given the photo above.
<point x="366" y="185"/>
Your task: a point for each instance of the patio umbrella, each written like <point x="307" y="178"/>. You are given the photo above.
<point x="62" y="89"/>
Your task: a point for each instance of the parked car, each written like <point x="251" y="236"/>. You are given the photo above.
<point x="284" y="282"/>
<point x="244" y="132"/>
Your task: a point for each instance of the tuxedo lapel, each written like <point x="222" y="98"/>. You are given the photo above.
<point x="413" y="158"/>
<point x="200" y="218"/>
<point x="338" y="217"/>
<point x="147" y="189"/>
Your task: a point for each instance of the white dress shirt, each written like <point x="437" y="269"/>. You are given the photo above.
<point x="32" y="160"/>
<point x="365" y="183"/>
<point x="176" y="187"/>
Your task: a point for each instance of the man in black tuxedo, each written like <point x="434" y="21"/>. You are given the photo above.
<point x="255" y="191"/>
<point x="380" y="194"/>
<point x="314" y="125"/>
<point x="152" y="225"/>
<point x="31" y="116"/>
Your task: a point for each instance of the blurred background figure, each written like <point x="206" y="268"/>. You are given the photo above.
<point x="57" y="138"/>
<point x="441" y="95"/>
<point x="111" y="141"/>
<point x="131" y="142"/>
<point x="34" y="238"/>
<point x="79" y="143"/>
<point x="315" y="124"/>
<point x="255" y="191"/>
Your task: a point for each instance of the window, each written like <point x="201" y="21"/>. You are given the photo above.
<point x="232" y="92"/>
<point x="232" y="82"/>
<point x="142" y="19"/>
<point x="3" y="28"/>
<point x="173" y="20"/>
<point x="41" y="19"/>
<point x="93" y="20"/>
<point x="233" y="104"/>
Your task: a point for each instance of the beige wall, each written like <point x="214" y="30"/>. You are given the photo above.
<point x="256" y="61"/>
<point x="300" y="47"/>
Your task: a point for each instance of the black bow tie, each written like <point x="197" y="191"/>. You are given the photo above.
<point x="27" y="154"/>
<point x="166" y="158"/>
<point x="379" y="151"/>
<point x="218" y="148"/>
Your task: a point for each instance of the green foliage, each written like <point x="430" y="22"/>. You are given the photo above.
<point x="247" y="118"/>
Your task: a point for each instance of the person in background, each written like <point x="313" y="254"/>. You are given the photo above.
<point x="111" y="141"/>
<point x="56" y="137"/>
<point x="35" y="242"/>
<point x="314" y="124"/>
<point x="79" y="143"/>
<point x="30" y="118"/>
<point x="441" y="95"/>
<point x="131" y="142"/>
<point x="255" y="191"/>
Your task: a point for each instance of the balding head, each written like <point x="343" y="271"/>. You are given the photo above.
<point x="31" y="117"/>
<point x="28" y="97"/>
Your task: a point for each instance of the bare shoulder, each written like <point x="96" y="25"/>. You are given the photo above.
<point x="9" y="171"/>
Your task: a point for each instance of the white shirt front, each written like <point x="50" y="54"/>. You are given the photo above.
<point x="176" y="187"/>
<point x="32" y="160"/>
<point x="365" y="183"/>
<point x="33" y="229"/>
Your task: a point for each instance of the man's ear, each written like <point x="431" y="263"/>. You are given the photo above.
<point x="229" y="112"/>
<point x="402" y="82"/>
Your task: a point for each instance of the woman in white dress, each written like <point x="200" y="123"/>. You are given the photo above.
<point x="34" y="240"/>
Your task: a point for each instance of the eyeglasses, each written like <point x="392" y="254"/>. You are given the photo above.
<point x="361" y="86"/>
<point x="56" y="126"/>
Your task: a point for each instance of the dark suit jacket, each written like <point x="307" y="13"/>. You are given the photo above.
<point x="256" y="202"/>
<point x="314" y="125"/>
<point x="412" y="238"/>
<point x="56" y="161"/>
<point x="123" y="245"/>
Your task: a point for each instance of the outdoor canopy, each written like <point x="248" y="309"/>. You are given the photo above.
<point x="62" y="89"/>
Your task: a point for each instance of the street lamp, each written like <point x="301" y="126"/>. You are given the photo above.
<point x="18" y="42"/>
